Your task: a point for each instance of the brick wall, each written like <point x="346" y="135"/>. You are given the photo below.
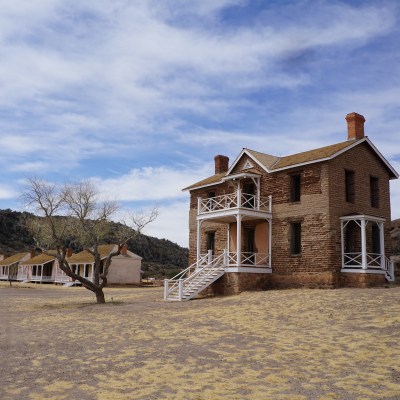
<point x="321" y="205"/>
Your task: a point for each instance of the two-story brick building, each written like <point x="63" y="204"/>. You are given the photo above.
<point x="320" y="218"/>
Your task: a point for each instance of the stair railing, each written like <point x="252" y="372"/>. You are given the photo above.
<point x="389" y="270"/>
<point x="181" y="281"/>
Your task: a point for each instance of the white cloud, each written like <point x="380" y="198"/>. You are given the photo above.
<point x="7" y="192"/>
<point x="149" y="183"/>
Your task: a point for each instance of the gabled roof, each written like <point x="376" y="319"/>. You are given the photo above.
<point x="273" y="164"/>
<point x="41" y="259"/>
<point x="212" y="180"/>
<point x="14" y="258"/>
<point x="86" y="257"/>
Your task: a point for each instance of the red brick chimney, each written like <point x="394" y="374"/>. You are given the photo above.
<point x="68" y="252"/>
<point x="124" y="249"/>
<point x="355" y="126"/>
<point x="221" y="164"/>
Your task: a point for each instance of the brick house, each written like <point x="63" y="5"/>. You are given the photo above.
<point x="320" y="218"/>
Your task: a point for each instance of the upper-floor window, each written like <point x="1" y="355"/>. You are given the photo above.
<point x="374" y="189"/>
<point x="349" y="185"/>
<point x="295" y="238"/>
<point x="295" y="185"/>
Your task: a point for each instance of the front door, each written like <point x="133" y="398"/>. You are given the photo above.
<point x="249" y="190"/>
<point x="211" y="241"/>
<point x="249" y="246"/>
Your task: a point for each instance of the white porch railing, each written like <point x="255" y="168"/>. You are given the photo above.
<point x="235" y="200"/>
<point x="249" y="259"/>
<point x="353" y="261"/>
<point x="40" y="278"/>
<point x="22" y="277"/>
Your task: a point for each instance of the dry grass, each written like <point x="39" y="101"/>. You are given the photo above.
<point x="293" y="344"/>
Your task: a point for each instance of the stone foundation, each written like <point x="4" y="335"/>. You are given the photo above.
<point x="237" y="282"/>
<point x="305" y="280"/>
<point x="348" y="279"/>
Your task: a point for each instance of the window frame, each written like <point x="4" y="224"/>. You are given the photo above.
<point x="295" y="238"/>
<point x="374" y="191"/>
<point x="295" y="187"/>
<point x="349" y="183"/>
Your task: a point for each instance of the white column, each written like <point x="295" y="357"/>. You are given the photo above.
<point x="166" y="289"/>
<point x="270" y="243"/>
<point x="258" y="193"/>
<point x="41" y="273"/>
<point x="226" y="258"/>
<point x="228" y="237"/>
<point x="92" y="274"/>
<point x="363" y="245"/>
<point x="239" y="197"/>
<point x="180" y="288"/>
<point x="342" y="241"/>
<point x="270" y="203"/>
<point x="198" y="239"/>
<point x="382" y="243"/>
<point x="198" y="205"/>
<point x="238" y="239"/>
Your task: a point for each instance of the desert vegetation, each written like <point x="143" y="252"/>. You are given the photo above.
<point x="287" y="344"/>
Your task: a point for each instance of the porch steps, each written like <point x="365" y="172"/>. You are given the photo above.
<point x="190" y="282"/>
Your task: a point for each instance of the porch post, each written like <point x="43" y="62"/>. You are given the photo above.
<point x="41" y="273"/>
<point x="270" y="243"/>
<point x="342" y="240"/>
<point x="382" y="243"/>
<point x="363" y="245"/>
<point x="198" y="239"/>
<point x="239" y="197"/>
<point x="92" y="274"/>
<point x="229" y="240"/>
<point x="238" y="238"/>
<point x="258" y="194"/>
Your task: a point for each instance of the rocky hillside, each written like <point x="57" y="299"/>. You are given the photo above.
<point x="161" y="257"/>
<point x="395" y="235"/>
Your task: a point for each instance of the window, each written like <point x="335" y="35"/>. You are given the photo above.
<point x="211" y="241"/>
<point x="295" y="182"/>
<point x="376" y="239"/>
<point x="295" y="238"/>
<point x="349" y="183"/>
<point x="374" y="188"/>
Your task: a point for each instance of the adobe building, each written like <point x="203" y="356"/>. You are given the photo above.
<point x="320" y="218"/>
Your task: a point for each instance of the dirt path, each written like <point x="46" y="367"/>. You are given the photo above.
<point x="293" y="344"/>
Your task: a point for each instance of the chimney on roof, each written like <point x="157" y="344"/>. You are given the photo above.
<point x="68" y="252"/>
<point x="32" y="254"/>
<point x="2" y="257"/>
<point x="221" y="164"/>
<point x="124" y="249"/>
<point x="355" y="126"/>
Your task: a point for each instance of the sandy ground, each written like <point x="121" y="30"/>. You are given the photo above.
<point x="289" y="344"/>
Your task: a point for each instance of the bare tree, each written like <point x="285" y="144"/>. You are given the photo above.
<point x="74" y="212"/>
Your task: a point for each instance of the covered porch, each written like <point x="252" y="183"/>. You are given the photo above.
<point x="363" y="246"/>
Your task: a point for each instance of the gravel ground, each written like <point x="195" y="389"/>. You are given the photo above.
<point x="288" y="344"/>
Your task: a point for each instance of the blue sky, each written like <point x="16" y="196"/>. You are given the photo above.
<point x="140" y="95"/>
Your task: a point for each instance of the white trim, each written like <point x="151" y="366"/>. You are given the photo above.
<point x="362" y="217"/>
<point x="244" y="151"/>
<point x="252" y="270"/>
<point x="395" y="173"/>
<point x="248" y="165"/>
<point x="240" y="175"/>
<point x="363" y="271"/>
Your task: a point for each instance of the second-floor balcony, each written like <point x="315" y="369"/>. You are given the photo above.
<point x="228" y="204"/>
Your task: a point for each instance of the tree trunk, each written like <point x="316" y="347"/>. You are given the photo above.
<point x="100" y="296"/>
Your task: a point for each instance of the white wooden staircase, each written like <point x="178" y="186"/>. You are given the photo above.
<point x="194" y="279"/>
<point x="389" y="270"/>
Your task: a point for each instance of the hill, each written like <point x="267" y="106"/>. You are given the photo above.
<point x="160" y="256"/>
